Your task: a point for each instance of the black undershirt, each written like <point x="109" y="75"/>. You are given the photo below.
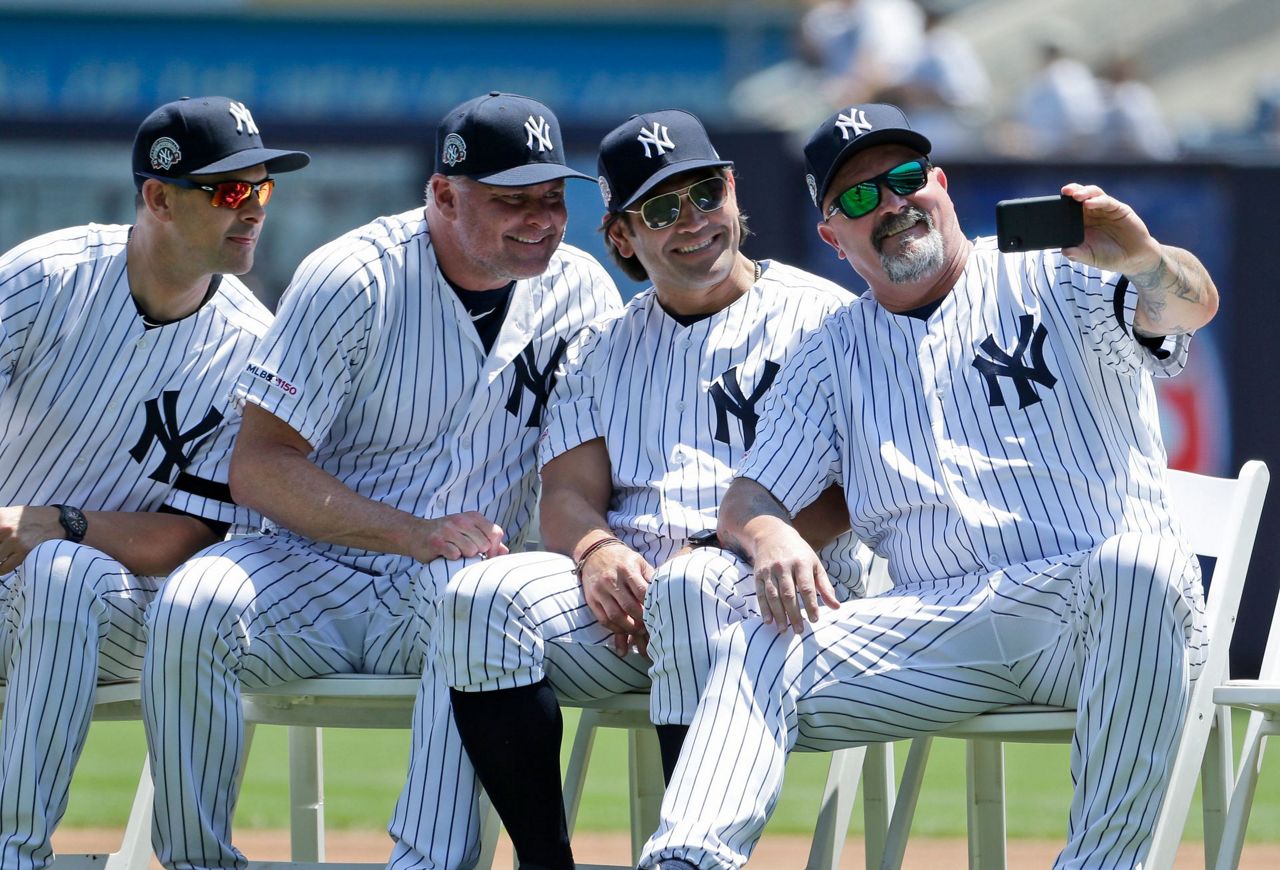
<point x="149" y="323"/>
<point x="488" y="308"/>
<point x="923" y="312"/>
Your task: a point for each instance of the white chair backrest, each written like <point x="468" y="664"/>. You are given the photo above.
<point x="1219" y="518"/>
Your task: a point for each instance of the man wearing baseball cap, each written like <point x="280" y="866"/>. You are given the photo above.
<point x="390" y="420"/>
<point x="992" y="421"/>
<point x="119" y="346"/>
<point x="651" y="412"/>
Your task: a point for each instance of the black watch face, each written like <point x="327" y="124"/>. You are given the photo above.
<point x="74" y="522"/>
<point x="706" y="538"/>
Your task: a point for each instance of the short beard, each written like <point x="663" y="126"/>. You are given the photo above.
<point x="922" y="257"/>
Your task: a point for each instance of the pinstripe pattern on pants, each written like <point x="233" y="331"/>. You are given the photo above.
<point x="513" y="620"/>
<point x="1128" y="643"/>
<point x="72" y="616"/>
<point x="262" y="611"/>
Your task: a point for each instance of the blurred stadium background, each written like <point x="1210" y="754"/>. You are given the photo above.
<point x="362" y="85"/>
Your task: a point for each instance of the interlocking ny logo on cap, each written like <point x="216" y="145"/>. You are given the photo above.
<point x="658" y="137"/>
<point x="240" y="112"/>
<point x="164" y="153"/>
<point x="855" y="122"/>
<point x="539" y="130"/>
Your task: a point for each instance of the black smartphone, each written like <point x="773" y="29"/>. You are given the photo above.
<point x="1039" y="222"/>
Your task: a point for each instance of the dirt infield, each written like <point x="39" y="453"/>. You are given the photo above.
<point x="774" y="853"/>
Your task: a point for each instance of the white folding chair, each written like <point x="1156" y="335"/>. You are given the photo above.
<point x="118" y="701"/>
<point x="1220" y="518"/>
<point x="1262" y="698"/>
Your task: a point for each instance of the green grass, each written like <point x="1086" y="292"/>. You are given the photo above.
<point x="364" y="771"/>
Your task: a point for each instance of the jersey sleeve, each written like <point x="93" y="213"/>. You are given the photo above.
<point x="201" y="489"/>
<point x="304" y="368"/>
<point x="1106" y="304"/>
<point x="573" y="412"/>
<point x="23" y="284"/>
<point x="796" y="454"/>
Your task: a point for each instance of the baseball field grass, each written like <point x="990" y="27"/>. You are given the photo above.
<point x="364" y="770"/>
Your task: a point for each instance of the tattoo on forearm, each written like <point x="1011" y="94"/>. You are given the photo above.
<point x="1154" y="286"/>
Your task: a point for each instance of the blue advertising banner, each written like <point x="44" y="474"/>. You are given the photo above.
<point x="330" y="70"/>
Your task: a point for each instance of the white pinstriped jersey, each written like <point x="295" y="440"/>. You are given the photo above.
<point x="1017" y="422"/>
<point x="375" y="362"/>
<point x="677" y="405"/>
<point x="97" y="410"/>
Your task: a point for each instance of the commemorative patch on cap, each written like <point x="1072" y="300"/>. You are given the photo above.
<point x="164" y="153"/>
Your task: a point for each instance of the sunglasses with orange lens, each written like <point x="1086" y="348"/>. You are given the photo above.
<point x="225" y="194"/>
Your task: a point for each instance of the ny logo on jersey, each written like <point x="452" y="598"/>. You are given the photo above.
<point x="539" y="382"/>
<point x="729" y="398"/>
<point x="855" y="122"/>
<point x="658" y="137"/>
<point x="539" y="130"/>
<point x="163" y="426"/>
<point x="240" y="112"/>
<point x="1010" y="365"/>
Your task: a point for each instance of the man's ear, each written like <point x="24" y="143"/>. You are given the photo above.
<point x="942" y="177"/>
<point x="444" y="195"/>
<point x="158" y="198"/>
<point x="620" y="233"/>
<point x="825" y="233"/>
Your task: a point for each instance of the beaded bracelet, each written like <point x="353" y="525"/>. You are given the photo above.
<point x="590" y="551"/>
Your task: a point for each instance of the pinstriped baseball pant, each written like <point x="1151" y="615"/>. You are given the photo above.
<point x="72" y="616"/>
<point x="1128" y="641"/>
<point x="513" y="620"/>
<point x="262" y="611"/>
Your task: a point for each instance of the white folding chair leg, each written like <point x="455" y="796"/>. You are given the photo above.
<point x="647" y="786"/>
<point x="836" y="808"/>
<point x="306" y="794"/>
<point x="1255" y="742"/>
<point x="877" y="799"/>
<point x="576" y="774"/>
<point x="904" y="806"/>
<point x="490" y="824"/>
<point x="135" y="848"/>
<point x="1215" y="782"/>
<point x="985" y="763"/>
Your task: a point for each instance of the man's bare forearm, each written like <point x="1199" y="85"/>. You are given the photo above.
<point x="1175" y="296"/>
<point x="747" y="507"/>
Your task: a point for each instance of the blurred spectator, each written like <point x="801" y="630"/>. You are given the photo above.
<point x="863" y="46"/>
<point x="947" y="91"/>
<point x="1062" y="109"/>
<point x="1135" y="124"/>
<point x="847" y="51"/>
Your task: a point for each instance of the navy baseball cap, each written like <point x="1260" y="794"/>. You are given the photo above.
<point x="846" y="133"/>
<point x="204" y="136"/>
<point x="502" y="139"/>
<point x="646" y="150"/>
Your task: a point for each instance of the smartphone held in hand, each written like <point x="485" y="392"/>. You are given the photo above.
<point x="1039" y="222"/>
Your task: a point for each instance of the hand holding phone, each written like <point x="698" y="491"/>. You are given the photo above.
<point x="1039" y="222"/>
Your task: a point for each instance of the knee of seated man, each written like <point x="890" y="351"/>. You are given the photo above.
<point x="706" y="573"/>
<point x="64" y="575"/>
<point x="209" y="582"/>
<point x="1147" y="566"/>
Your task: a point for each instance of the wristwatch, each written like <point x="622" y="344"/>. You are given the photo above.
<point x="73" y="522"/>
<point x="704" y="538"/>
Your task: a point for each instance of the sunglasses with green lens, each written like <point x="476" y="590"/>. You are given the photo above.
<point x="864" y="197"/>
<point x="661" y="211"/>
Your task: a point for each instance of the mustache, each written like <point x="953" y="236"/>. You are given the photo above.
<point x="896" y="223"/>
